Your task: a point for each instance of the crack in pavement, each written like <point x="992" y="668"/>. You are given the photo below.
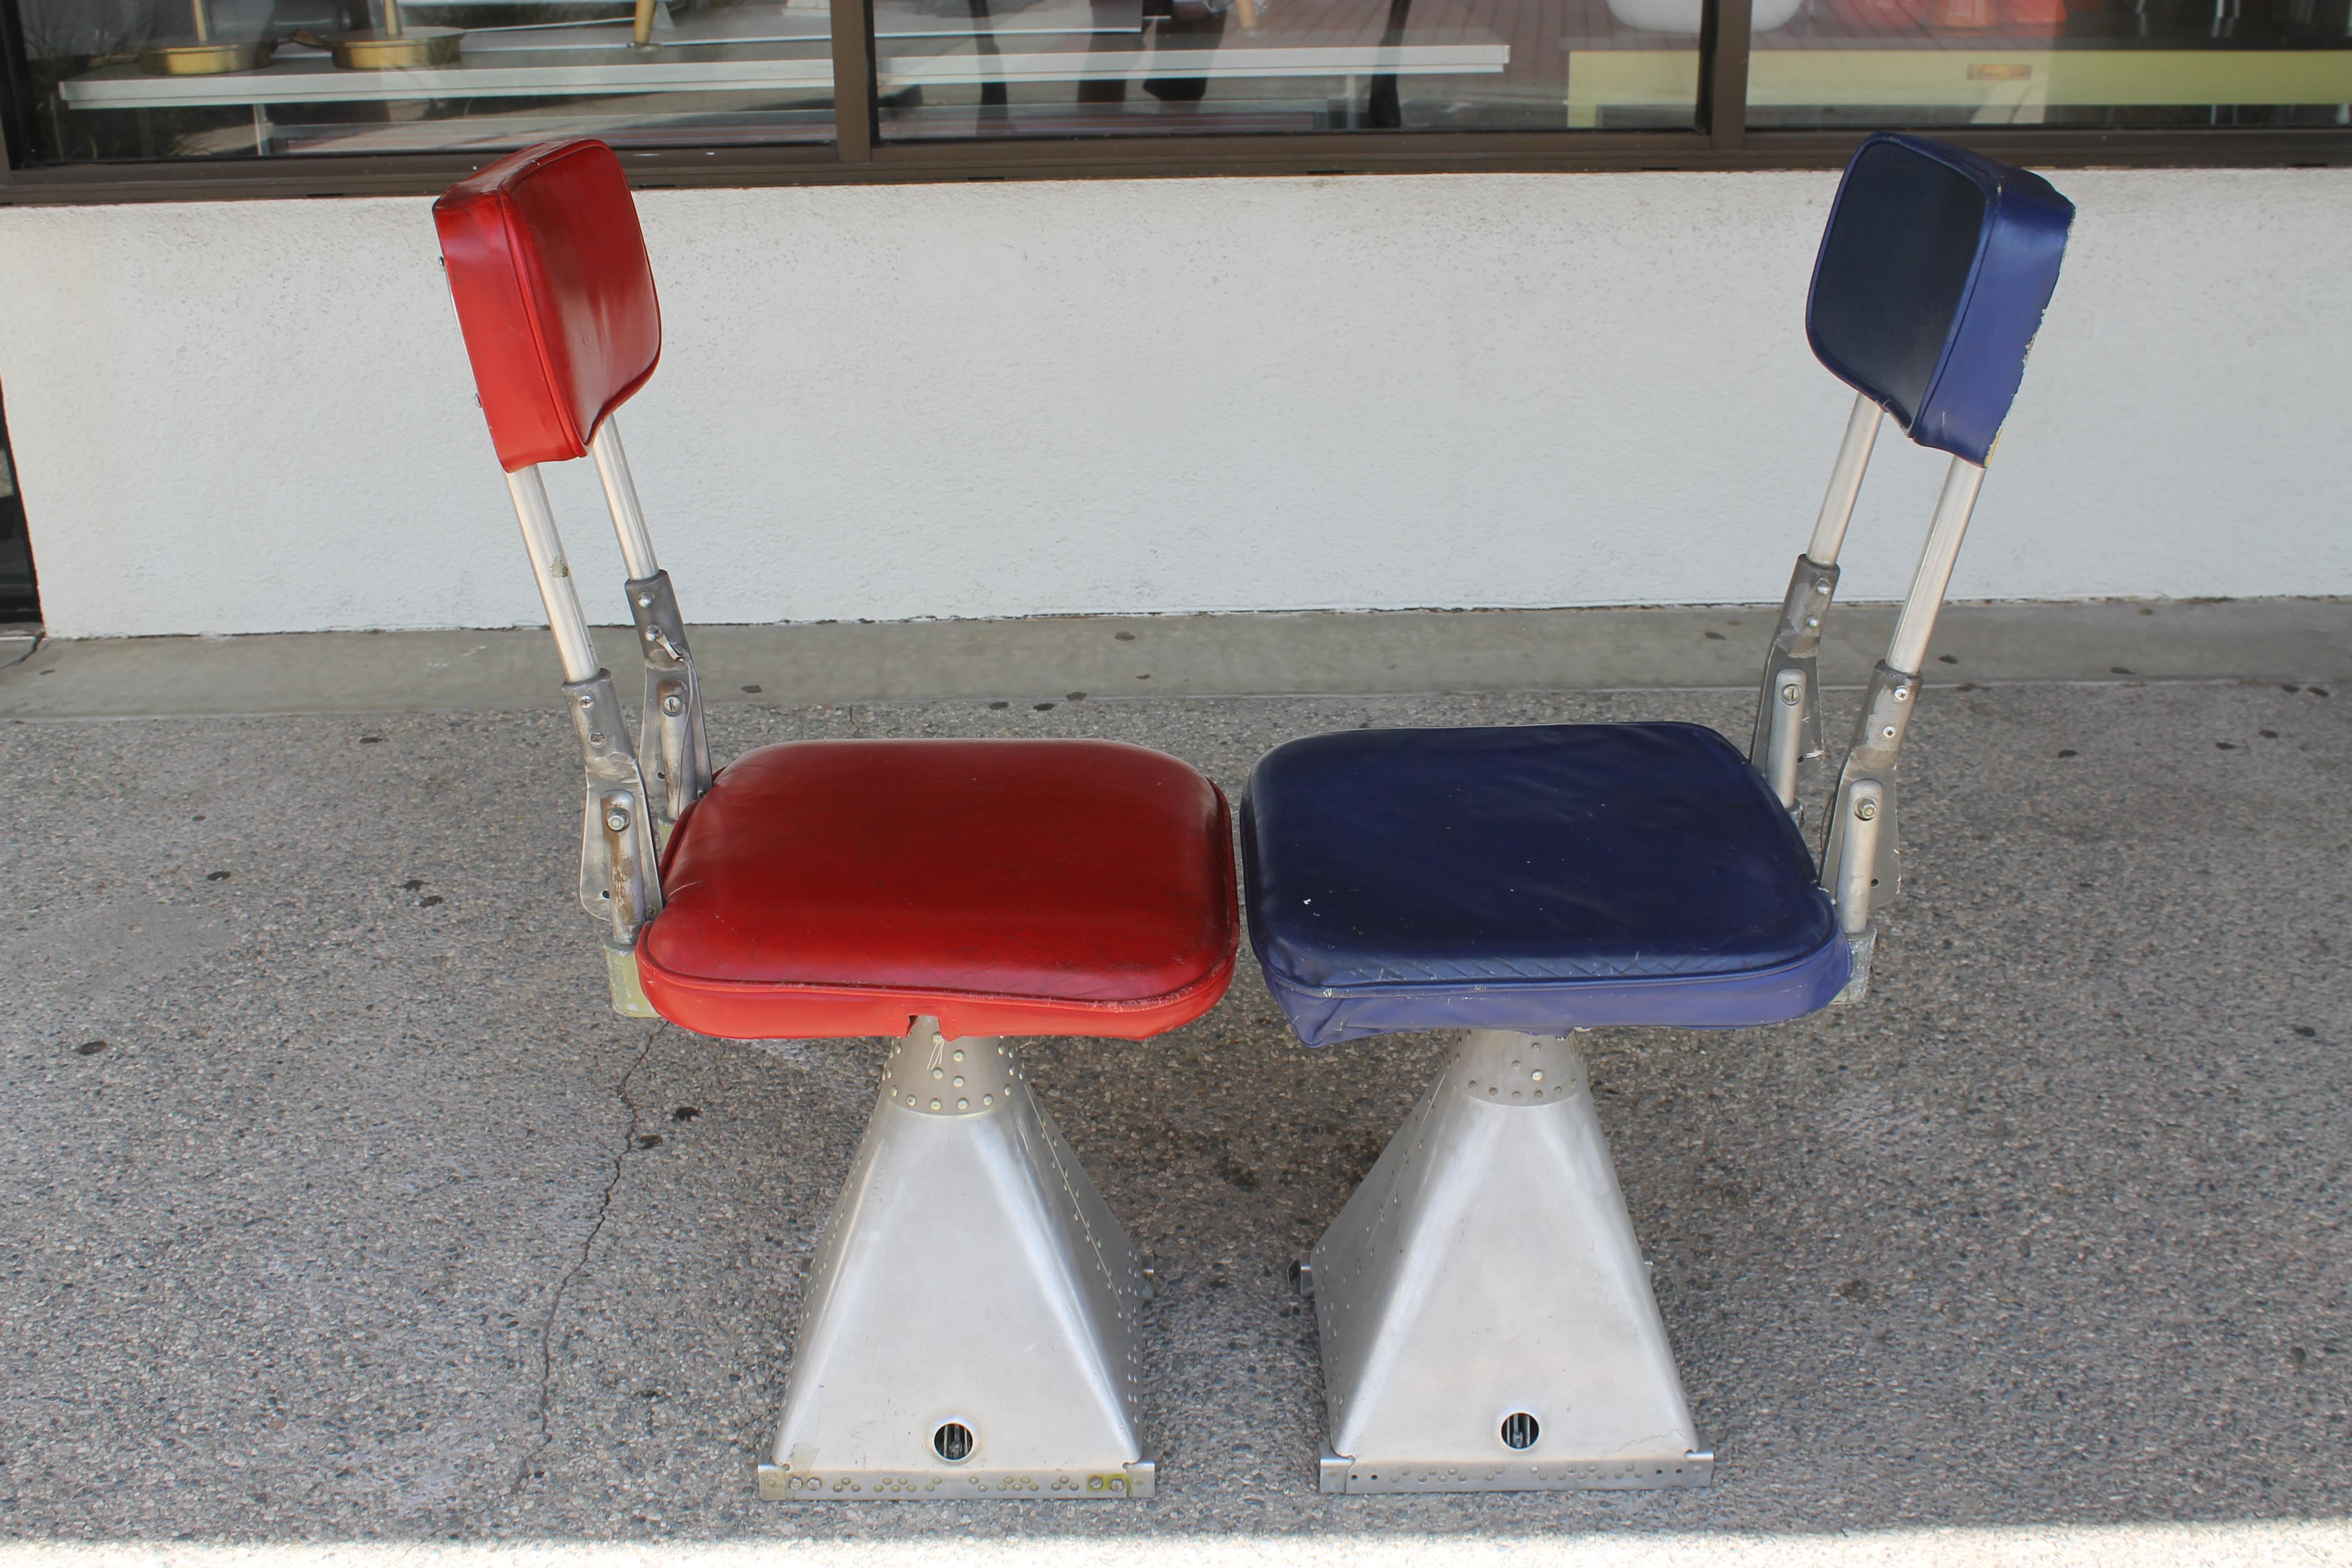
<point x="587" y="1246"/>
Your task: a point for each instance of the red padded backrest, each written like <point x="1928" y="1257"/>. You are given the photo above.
<point x="554" y="293"/>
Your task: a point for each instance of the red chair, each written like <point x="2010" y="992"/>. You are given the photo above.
<point x="970" y="1324"/>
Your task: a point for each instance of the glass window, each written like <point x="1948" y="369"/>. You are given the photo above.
<point x="194" y="78"/>
<point x="2122" y="63"/>
<point x="1125" y="68"/>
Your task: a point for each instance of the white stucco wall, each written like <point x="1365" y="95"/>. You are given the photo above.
<point x="1007" y="399"/>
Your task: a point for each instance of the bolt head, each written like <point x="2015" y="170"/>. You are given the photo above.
<point x="617" y="821"/>
<point x="1792" y="694"/>
<point x="673" y="706"/>
<point x="1865" y="810"/>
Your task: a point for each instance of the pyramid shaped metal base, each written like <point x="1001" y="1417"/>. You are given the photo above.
<point x="1487" y="1318"/>
<point x="970" y="1320"/>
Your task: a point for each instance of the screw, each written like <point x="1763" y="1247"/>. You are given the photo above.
<point x="644" y="600"/>
<point x="1820" y="584"/>
<point x="1902" y="694"/>
<point x="673" y="706"/>
<point x="1865" y="811"/>
<point x="1813" y="621"/>
<point x="1792" y="694"/>
<point x="586" y="701"/>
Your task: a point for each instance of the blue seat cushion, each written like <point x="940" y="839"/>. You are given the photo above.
<point x="1536" y="877"/>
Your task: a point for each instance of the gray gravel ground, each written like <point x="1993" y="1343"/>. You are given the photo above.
<point x="334" y="1205"/>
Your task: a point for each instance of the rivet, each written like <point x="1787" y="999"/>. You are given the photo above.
<point x="651" y="634"/>
<point x="963" y="1105"/>
<point x="1902" y="694"/>
<point x="935" y="1105"/>
<point x="645" y="601"/>
<point x="1812" y="621"/>
<point x="1538" y="1074"/>
<point x="959" y="1081"/>
<point x="1820" y="584"/>
<point x="595" y="737"/>
<point x="1888" y="731"/>
<point x="938" y="1072"/>
<point x="939" y="1039"/>
<point x="988" y="1100"/>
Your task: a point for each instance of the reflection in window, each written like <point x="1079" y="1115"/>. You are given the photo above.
<point x="1097" y="67"/>
<point x="1869" y="63"/>
<point x="157" y="79"/>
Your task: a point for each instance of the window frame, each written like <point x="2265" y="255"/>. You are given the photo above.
<point x="1720" y="140"/>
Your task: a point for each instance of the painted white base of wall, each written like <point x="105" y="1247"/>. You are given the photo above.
<point x="1008" y="399"/>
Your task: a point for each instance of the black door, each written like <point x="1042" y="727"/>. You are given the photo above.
<point x="19" y="600"/>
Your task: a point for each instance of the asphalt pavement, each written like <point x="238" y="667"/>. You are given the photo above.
<point x="336" y="1208"/>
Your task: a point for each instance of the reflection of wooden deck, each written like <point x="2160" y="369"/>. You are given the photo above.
<point x="2001" y="81"/>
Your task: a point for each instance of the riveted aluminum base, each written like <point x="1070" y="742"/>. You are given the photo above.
<point x="778" y="1484"/>
<point x="970" y="1320"/>
<point x="1485" y="1316"/>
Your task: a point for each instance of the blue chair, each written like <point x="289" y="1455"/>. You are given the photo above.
<point x="1486" y="1317"/>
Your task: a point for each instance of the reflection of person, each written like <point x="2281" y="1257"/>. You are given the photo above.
<point x="1171" y="24"/>
<point x="1382" y="109"/>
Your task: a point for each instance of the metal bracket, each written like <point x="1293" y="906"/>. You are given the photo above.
<point x="620" y="881"/>
<point x="1788" y="738"/>
<point x="1862" y="821"/>
<point x="626" y="986"/>
<point x="677" y="751"/>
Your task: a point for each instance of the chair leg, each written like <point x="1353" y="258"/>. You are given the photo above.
<point x="969" y="1325"/>
<point x="1485" y="1315"/>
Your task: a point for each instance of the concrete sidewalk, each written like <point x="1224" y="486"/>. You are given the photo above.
<point x="335" y="1207"/>
<point x="1120" y="657"/>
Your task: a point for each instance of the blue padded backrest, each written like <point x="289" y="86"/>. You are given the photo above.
<point x="1933" y="276"/>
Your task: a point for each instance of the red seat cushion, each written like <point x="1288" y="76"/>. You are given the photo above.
<point x="832" y="888"/>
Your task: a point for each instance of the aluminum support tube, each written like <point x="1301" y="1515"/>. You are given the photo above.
<point x="547" y="563"/>
<point x="621" y="499"/>
<point x="1845" y="481"/>
<point x="1908" y="651"/>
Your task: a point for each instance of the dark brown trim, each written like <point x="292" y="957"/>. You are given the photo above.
<point x="852" y="79"/>
<point x="1723" y="73"/>
<point x="1359" y="153"/>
